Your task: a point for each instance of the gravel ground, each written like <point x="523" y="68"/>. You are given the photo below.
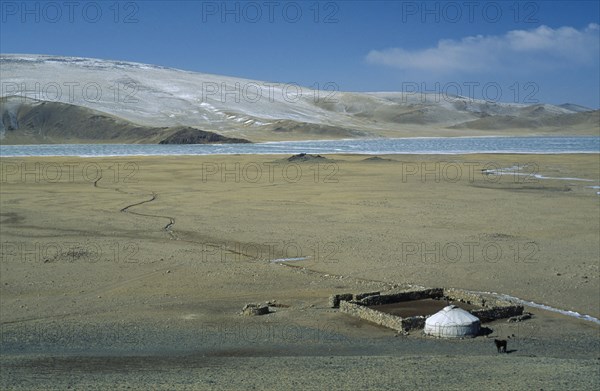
<point x="116" y="284"/>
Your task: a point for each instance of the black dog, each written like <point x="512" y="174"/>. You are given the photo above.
<point x="500" y="345"/>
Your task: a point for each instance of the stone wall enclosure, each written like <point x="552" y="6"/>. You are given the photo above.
<point x="359" y="304"/>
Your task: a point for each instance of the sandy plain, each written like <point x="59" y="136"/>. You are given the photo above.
<point x="132" y="271"/>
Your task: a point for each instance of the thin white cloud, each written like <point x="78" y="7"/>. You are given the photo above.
<point x="542" y="46"/>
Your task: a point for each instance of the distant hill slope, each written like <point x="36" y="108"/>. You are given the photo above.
<point x="559" y="123"/>
<point x="139" y="96"/>
<point x="26" y="121"/>
<point x="574" y="108"/>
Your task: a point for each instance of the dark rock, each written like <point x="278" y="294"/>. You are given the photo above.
<point x="255" y="309"/>
<point x="519" y="318"/>
<point x="377" y="159"/>
<point x="197" y="136"/>
<point x="305" y="157"/>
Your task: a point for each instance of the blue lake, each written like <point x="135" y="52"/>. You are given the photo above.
<point x="382" y="146"/>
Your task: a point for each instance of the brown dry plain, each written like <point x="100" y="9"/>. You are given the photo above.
<point x="136" y="279"/>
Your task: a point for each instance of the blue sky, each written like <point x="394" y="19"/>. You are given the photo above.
<point x="524" y="52"/>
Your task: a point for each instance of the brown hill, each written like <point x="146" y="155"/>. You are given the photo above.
<point x="28" y="121"/>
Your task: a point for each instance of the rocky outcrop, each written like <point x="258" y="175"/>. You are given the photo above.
<point x="255" y="309"/>
<point x="197" y="136"/>
<point x="306" y="157"/>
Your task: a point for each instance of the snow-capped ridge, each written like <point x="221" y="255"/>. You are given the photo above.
<point x="152" y="95"/>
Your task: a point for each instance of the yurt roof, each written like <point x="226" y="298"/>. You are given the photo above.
<point x="451" y="315"/>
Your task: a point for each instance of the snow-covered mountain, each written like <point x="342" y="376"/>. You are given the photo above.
<point x="148" y="95"/>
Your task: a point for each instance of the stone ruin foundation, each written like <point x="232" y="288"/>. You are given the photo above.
<point x="359" y="305"/>
<point x="255" y="309"/>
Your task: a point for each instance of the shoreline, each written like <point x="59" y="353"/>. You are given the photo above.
<point x="378" y="146"/>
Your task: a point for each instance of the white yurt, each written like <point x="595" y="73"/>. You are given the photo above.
<point x="452" y="322"/>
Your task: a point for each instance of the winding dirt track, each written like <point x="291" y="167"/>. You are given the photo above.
<point x="100" y="290"/>
<point x="167" y="228"/>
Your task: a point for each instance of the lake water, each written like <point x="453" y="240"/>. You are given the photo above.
<point x="424" y="145"/>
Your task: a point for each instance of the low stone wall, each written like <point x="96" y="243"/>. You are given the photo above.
<point x="381" y="318"/>
<point x="366" y="313"/>
<point x="403" y="296"/>
<point x="360" y="296"/>
<point x="376" y="298"/>
<point x="482" y="300"/>
<point x="334" y="300"/>
<point x="491" y="314"/>
<point x="358" y="305"/>
<point x="413" y="322"/>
